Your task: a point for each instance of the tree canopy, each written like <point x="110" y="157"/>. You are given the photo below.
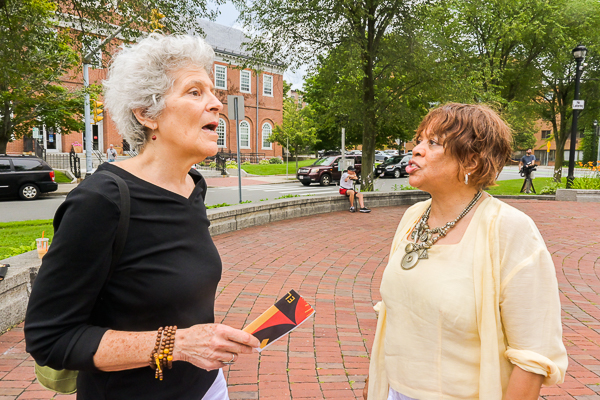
<point x="33" y="57"/>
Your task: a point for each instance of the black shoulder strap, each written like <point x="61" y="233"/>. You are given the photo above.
<point x="123" y="226"/>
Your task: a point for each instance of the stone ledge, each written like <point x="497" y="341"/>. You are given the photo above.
<point x="579" y="195"/>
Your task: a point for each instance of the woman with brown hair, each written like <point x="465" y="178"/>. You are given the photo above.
<point x="470" y="305"/>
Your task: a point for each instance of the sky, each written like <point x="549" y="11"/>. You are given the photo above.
<point x="228" y="17"/>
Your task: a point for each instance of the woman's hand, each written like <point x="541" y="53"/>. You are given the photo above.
<point x="366" y="388"/>
<point x="209" y="346"/>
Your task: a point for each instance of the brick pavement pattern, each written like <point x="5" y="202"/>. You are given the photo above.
<point x="336" y="261"/>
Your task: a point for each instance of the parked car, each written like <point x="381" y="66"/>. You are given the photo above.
<point x="325" y="170"/>
<point x="393" y="166"/>
<point x="380" y="156"/>
<point x="25" y="176"/>
<point x="354" y="152"/>
<point x="391" y="152"/>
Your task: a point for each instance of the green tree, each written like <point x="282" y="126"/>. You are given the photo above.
<point x="556" y="91"/>
<point x="293" y="32"/>
<point x="33" y="57"/>
<point x="297" y="132"/>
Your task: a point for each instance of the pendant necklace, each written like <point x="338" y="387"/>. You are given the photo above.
<point x="422" y="233"/>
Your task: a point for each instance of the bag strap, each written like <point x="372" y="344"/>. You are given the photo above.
<point x="123" y="226"/>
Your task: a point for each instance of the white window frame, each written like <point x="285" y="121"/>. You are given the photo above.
<point x="246" y="124"/>
<point x="270" y="78"/>
<point x="224" y="71"/>
<point x="249" y="74"/>
<point x="263" y="136"/>
<point x="224" y="126"/>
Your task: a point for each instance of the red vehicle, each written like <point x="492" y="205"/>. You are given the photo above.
<point x="325" y="170"/>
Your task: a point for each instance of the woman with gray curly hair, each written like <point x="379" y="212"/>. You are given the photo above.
<point x="142" y="327"/>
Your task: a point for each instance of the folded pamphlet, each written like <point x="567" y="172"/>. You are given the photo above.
<point x="280" y="319"/>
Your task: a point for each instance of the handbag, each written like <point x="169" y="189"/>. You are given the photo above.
<point x="64" y="381"/>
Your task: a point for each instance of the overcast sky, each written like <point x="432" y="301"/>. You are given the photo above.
<point x="228" y="17"/>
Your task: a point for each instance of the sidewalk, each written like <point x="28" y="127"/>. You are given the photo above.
<point x="337" y="267"/>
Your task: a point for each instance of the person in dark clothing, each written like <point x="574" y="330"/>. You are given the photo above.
<point x="162" y="100"/>
<point x="527" y="166"/>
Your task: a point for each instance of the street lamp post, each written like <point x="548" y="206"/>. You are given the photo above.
<point x="597" y="132"/>
<point x="579" y="55"/>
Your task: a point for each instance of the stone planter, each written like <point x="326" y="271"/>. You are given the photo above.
<point x="580" y="195"/>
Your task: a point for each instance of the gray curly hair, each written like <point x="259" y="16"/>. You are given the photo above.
<point x="141" y="74"/>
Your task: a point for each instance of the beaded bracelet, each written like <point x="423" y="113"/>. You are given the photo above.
<point x="162" y="354"/>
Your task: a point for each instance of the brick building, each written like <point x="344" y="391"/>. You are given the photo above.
<point x="262" y="92"/>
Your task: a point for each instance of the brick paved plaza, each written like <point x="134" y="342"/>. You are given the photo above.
<point x="336" y="261"/>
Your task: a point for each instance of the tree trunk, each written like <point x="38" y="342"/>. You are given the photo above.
<point x="3" y="143"/>
<point x="296" y="156"/>
<point x="370" y="116"/>
<point x="558" y="160"/>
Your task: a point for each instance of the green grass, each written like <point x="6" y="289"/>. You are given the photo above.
<point x="275" y="169"/>
<point x="60" y="177"/>
<point x="513" y="186"/>
<point x="19" y="237"/>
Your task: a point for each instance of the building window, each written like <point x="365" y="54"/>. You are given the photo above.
<point x="221" y="131"/>
<point x="245" y="81"/>
<point x="266" y="135"/>
<point x="220" y="77"/>
<point x="545" y="134"/>
<point x="267" y="85"/>
<point x="244" y="135"/>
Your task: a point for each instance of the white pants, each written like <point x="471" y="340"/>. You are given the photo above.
<point x="393" y="395"/>
<point x="218" y="390"/>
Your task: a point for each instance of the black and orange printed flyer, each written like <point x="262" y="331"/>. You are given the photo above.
<point x="280" y="319"/>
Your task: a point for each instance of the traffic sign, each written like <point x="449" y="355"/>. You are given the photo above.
<point x="578" y="104"/>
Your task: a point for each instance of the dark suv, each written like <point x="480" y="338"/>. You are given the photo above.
<point x="394" y="166"/>
<point x="325" y="170"/>
<point x="25" y="176"/>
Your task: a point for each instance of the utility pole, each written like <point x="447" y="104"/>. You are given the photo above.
<point x="597" y="132"/>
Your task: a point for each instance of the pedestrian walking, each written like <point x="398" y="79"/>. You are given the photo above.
<point x="470" y="305"/>
<point x="111" y="154"/>
<point x="145" y="329"/>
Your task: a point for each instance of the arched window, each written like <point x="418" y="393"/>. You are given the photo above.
<point x="244" y="135"/>
<point x="221" y="130"/>
<point x="266" y="135"/>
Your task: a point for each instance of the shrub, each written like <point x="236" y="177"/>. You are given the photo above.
<point x="264" y="161"/>
<point x="246" y="163"/>
<point x="213" y="164"/>
<point x="550" y="189"/>
<point x="275" y="160"/>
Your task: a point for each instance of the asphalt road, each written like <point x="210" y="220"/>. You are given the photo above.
<point x="45" y="207"/>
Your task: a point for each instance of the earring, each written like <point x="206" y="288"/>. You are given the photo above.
<point x="467" y="178"/>
<point x="153" y="137"/>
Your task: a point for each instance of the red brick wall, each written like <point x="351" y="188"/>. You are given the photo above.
<point x="270" y="109"/>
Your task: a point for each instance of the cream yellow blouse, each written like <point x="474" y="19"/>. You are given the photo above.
<point x="452" y="327"/>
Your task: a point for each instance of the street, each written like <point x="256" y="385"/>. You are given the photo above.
<point x="45" y="207"/>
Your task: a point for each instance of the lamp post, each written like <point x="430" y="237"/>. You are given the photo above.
<point x="579" y="55"/>
<point x="597" y="132"/>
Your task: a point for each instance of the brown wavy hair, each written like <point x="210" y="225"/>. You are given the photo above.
<point x="475" y="136"/>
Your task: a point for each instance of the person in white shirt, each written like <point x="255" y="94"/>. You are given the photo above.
<point x="111" y="154"/>
<point x="347" y="189"/>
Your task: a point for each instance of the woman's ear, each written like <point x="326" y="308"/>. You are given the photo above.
<point x="140" y="115"/>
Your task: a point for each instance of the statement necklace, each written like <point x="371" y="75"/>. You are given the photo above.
<point x="421" y="232"/>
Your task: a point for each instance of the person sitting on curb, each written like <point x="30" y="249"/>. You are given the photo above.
<point x="347" y="189"/>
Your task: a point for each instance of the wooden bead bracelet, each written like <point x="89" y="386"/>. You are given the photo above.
<point x="162" y="354"/>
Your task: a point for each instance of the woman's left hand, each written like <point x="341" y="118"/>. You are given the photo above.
<point x="210" y="346"/>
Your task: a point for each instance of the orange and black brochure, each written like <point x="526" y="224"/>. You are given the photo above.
<point x="280" y="319"/>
